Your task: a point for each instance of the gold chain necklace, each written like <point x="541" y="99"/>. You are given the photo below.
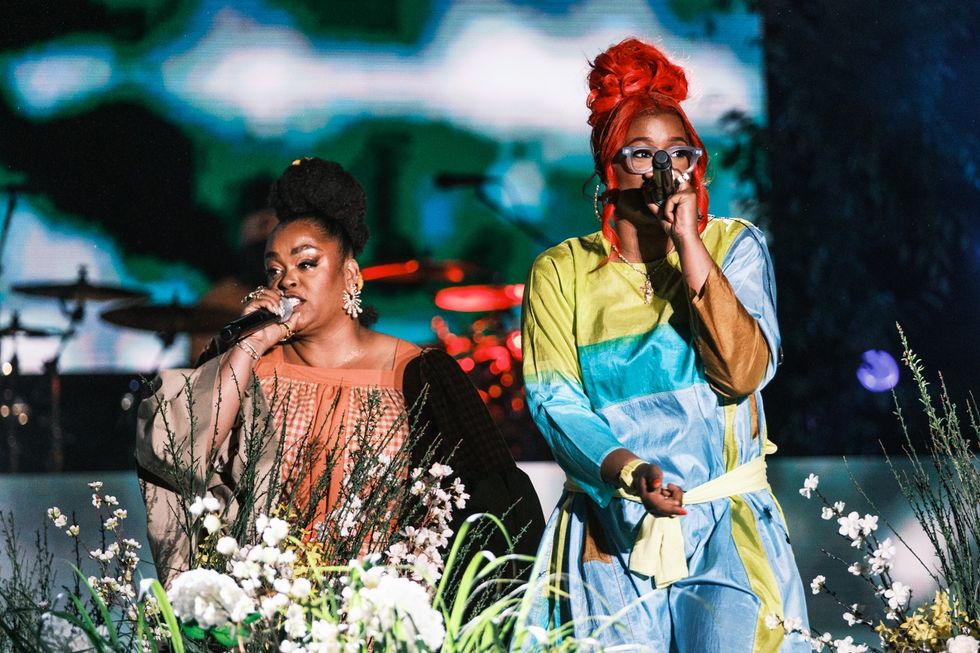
<point x="647" y="287"/>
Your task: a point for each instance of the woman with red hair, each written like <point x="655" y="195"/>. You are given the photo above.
<point x="646" y="345"/>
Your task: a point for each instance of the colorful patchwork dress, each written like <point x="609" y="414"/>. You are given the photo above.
<point x="677" y="382"/>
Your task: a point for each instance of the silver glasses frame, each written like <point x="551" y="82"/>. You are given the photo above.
<point x="626" y="156"/>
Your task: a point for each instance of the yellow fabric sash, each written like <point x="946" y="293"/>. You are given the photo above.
<point x="658" y="550"/>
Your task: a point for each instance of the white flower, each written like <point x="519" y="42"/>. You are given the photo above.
<point x="260" y="523"/>
<point x="898" y="595"/>
<point x="210" y="598"/>
<point x="372" y="577"/>
<point x="869" y="524"/>
<point x="226" y="546"/>
<point x="847" y="645"/>
<point x="854" y="615"/>
<point x="401" y="600"/>
<point x="817" y="584"/>
<point x="207" y="503"/>
<point x="212" y="523"/>
<point x="60" y="521"/>
<point x="273" y="604"/>
<point x="324" y="631"/>
<point x="73" y="530"/>
<point x="397" y="552"/>
<point x="301" y="589"/>
<point x="197" y="507"/>
<point x="855" y="568"/>
<point x="827" y="513"/>
<point x="772" y="621"/>
<point x="96" y="500"/>
<point x="99" y="554"/>
<point x="881" y="558"/>
<point x="54" y="513"/>
<point x="809" y="485"/>
<point x="275" y="532"/>
<point x="818" y="643"/>
<point x="95" y="485"/>
<point x="111" y="500"/>
<point x="440" y="471"/>
<point x="418" y="488"/>
<point x="295" y="625"/>
<point x="270" y="555"/>
<point x="850" y="526"/>
<point x="793" y="624"/>
<point x="962" y="644"/>
<point x="111" y="524"/>
<point x="120" y="513"/>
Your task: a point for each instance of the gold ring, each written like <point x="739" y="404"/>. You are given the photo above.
<point x="289" y="332"/>
<point x="252" y="295"/>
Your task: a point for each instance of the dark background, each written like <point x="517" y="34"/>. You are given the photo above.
<point x="865" y="179"/>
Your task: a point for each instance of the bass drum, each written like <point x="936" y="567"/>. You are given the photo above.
<point x="72" y="422"/>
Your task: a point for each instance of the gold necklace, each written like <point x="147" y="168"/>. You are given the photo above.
<point x="647" y="287"/>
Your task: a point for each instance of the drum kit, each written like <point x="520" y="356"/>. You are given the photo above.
<point x="489" y="351"/>
<point x="129" y="309"/>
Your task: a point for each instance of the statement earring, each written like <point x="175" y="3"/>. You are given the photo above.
<point x="352" y="301"/>
<point x="595" y="203"/>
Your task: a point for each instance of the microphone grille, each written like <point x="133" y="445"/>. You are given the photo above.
<point x="287" y="304"/>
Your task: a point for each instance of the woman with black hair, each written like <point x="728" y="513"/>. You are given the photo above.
<point x="312" y="375"/>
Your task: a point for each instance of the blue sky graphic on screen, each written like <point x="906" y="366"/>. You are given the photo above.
<point x="246" y="78"/>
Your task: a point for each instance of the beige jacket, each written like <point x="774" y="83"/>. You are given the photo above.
<point x="183" y="397"/>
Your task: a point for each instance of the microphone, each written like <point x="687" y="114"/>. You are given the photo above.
<point x="660" y="186"/>
<point x="453" y="180"/>
<point x="246" y="324"/>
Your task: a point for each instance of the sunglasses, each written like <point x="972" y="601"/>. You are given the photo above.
<point x="638" y="159"/>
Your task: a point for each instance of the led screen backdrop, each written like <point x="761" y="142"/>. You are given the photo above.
<point x="140" y="134"/>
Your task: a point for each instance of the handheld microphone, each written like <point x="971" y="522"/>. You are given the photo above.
<point x="246" y="324"/>
<point x="660" y="186"/>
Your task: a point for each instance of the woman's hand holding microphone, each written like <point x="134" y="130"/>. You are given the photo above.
<point x="261" y="340"/>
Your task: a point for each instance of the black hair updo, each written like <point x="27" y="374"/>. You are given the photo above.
<point x="326" y="194"/>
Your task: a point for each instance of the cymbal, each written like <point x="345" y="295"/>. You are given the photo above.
<point x="170" y="318"/>
<point x="78" y="291"/>
<point x="479" y="298"/>
<point x="15" y="328"/>
<point x="414" y="271"/>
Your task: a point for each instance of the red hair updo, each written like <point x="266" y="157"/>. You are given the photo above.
<point x="630" y="79"/>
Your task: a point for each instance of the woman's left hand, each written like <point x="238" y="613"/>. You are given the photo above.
<point x="679" y="215"/>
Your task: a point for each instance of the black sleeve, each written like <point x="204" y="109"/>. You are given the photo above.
<point x="468" y="440"/>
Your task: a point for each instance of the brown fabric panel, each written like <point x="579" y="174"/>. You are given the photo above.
<point x="754" y="412"/>
<point x="733" y="350"/>
<point x="595" y="547"/>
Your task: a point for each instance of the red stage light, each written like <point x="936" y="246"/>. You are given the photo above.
<point x="389" y="270"/>
<point x="480" y="298"/>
